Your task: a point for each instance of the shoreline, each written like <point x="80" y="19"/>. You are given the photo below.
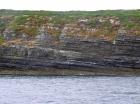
<point x="70" y="72"/>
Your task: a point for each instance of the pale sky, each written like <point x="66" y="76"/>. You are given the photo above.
<point x="66" y="5"/>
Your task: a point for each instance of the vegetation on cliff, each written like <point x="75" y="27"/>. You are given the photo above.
<point x="101" y="24"/>
<point x="1" y="40"/>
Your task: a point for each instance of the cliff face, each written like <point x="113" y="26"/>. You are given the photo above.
<point x="123" y="53"/>
<point x="85" y="43"/>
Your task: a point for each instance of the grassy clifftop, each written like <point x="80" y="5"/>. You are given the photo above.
<point x="102" y="24"/>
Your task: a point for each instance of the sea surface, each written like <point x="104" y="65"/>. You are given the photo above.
<point x="69" y="90"/>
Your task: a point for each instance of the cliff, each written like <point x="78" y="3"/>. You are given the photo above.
<point x="69" y="43"/>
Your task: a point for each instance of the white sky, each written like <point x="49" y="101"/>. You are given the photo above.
<point x="65" y="5"/>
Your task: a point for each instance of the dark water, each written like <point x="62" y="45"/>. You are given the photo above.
<point x="69" y="90"/>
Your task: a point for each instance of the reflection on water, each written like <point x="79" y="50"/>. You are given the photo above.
<point x="69" y="90"/>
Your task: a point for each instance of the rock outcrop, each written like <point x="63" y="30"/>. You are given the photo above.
<point x="79" y="54"/>
<point x="98" y="45"/>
